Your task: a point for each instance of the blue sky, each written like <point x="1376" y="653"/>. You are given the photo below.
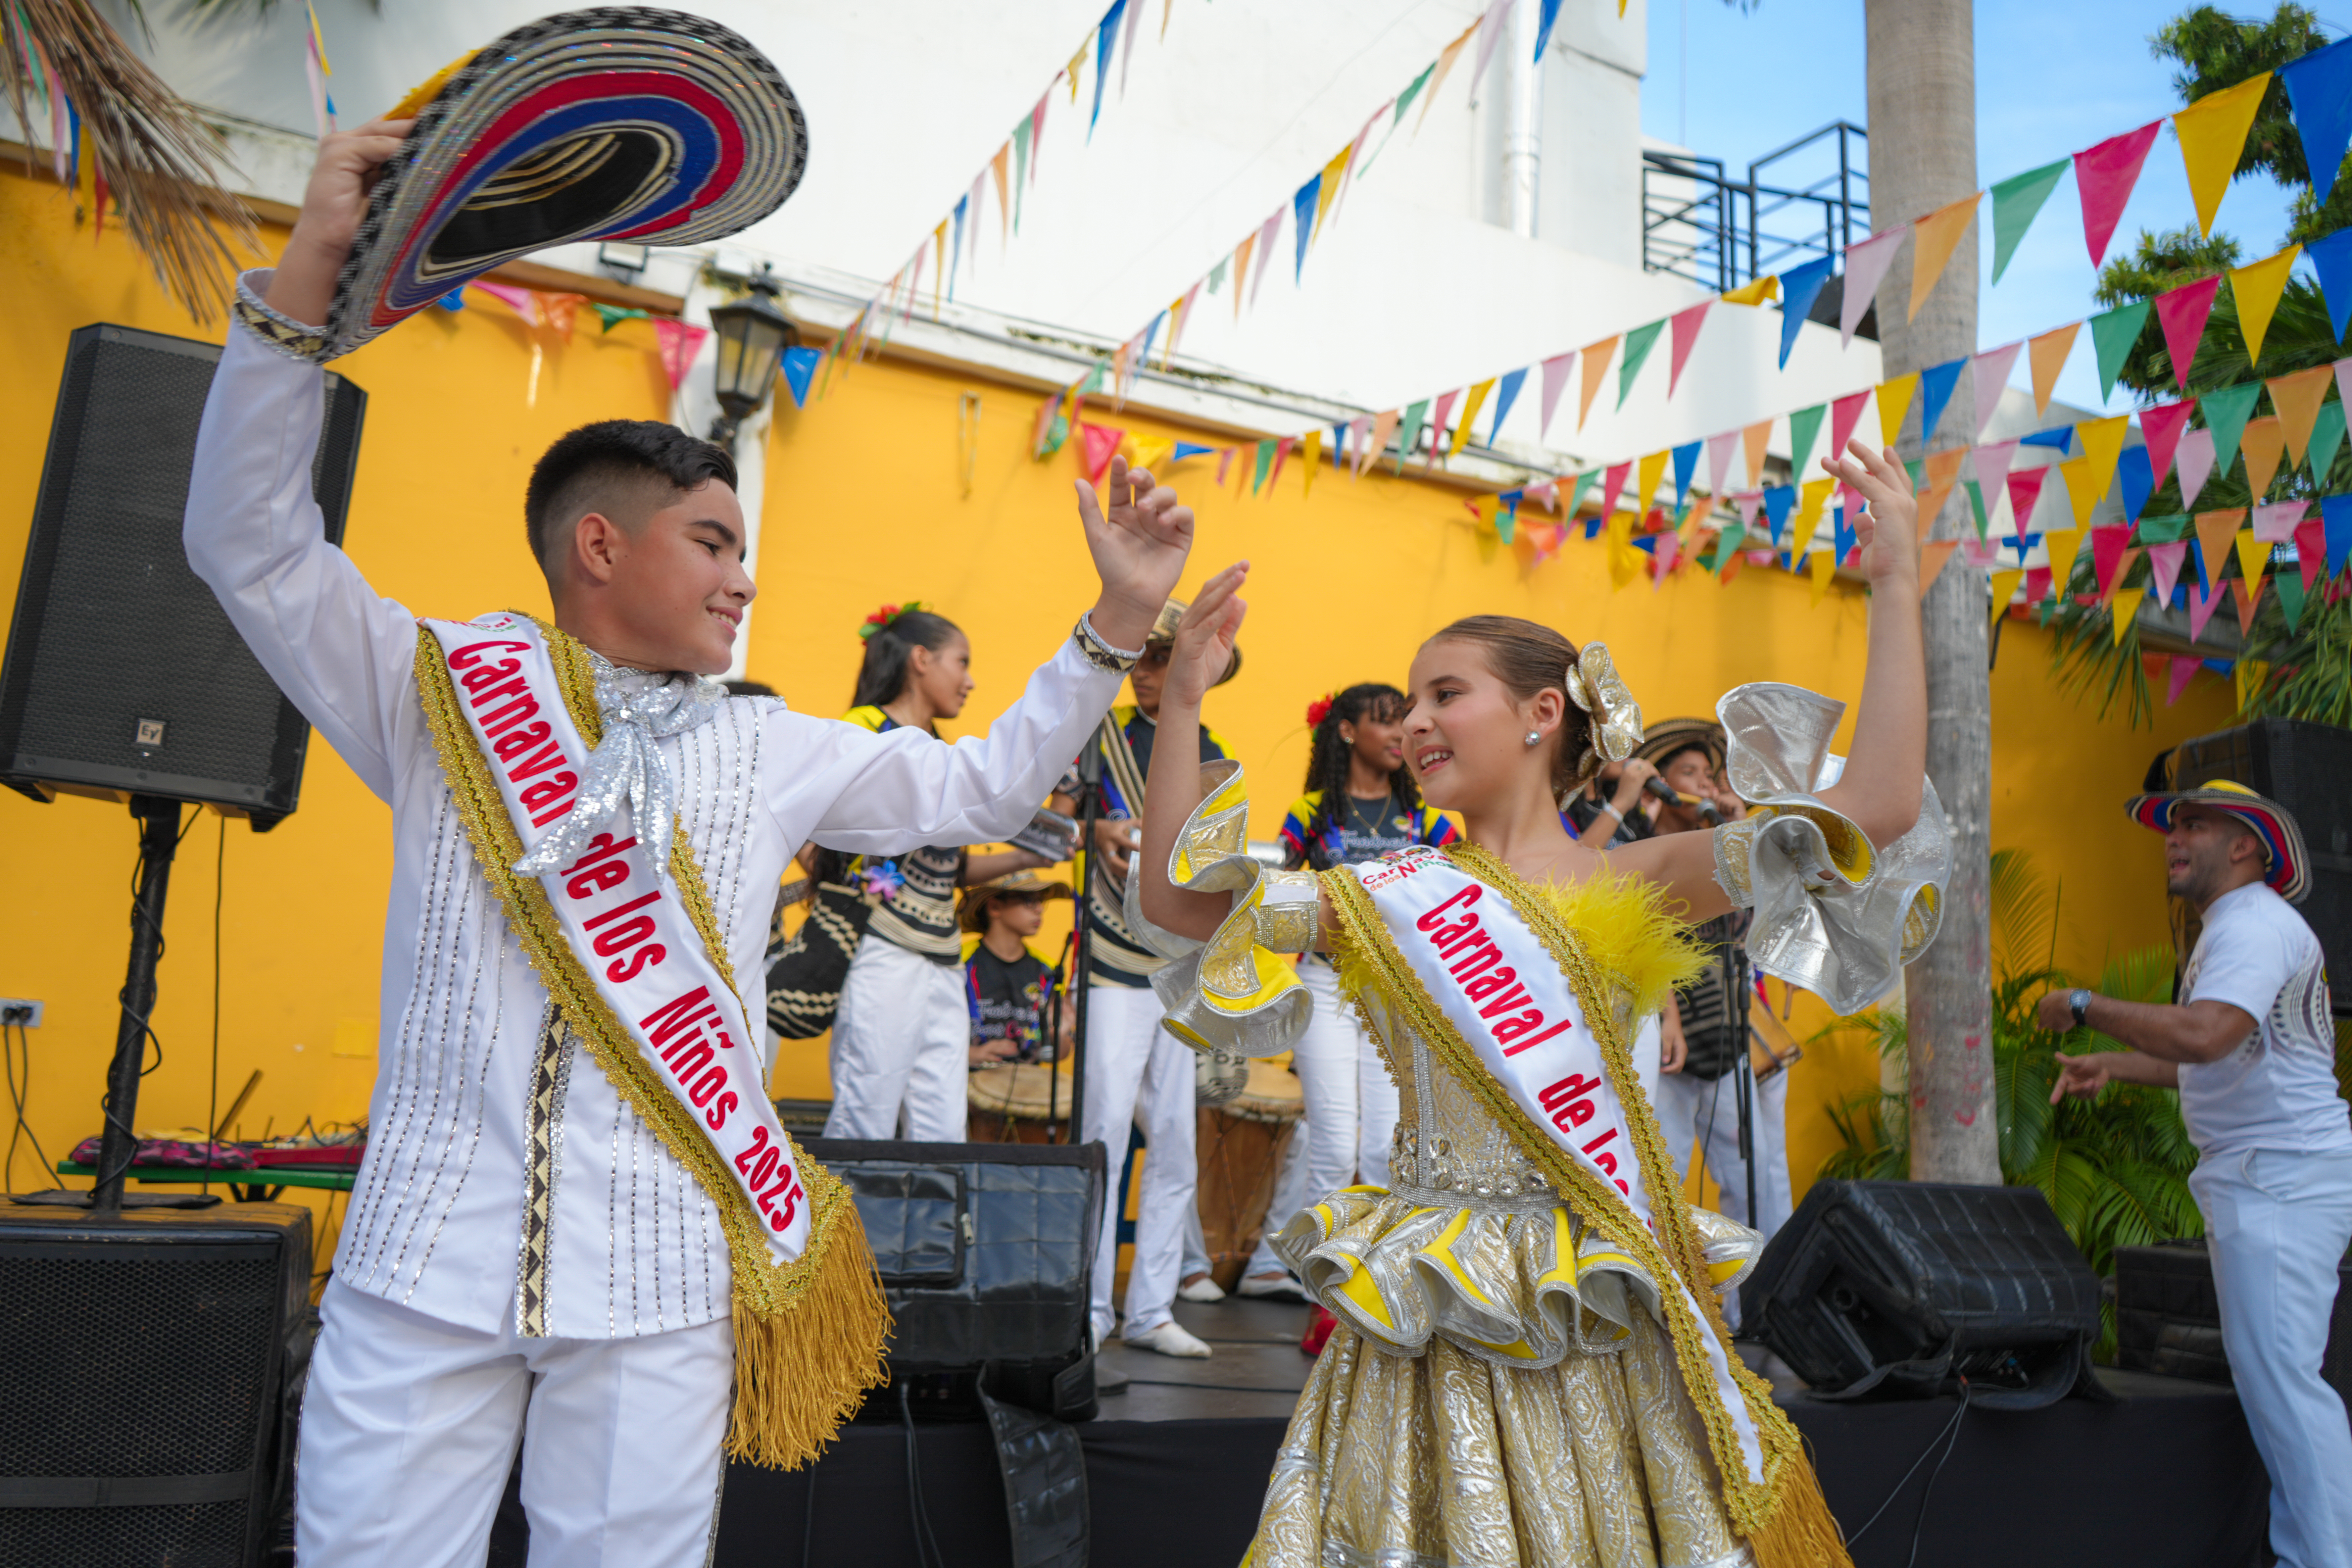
<point x="2052" y="80"/>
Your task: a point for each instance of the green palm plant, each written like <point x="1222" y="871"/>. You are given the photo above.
<point x="2116" y="1169"/>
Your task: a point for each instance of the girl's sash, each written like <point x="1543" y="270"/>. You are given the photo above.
<point x="640" y="972"/>
<point x="1507" y="1000"/>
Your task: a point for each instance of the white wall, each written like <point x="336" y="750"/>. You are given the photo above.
<point x="1410" y="291"/>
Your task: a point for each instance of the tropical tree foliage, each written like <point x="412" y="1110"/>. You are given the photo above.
<point x="2116" y="1169"/>
<point x="2307" y="668"/>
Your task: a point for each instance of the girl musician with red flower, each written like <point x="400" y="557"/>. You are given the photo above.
<point x="1361" y="804"/>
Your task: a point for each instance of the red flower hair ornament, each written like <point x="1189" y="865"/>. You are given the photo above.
<point x="1319" y="710"/>
<point x="886" y="616"/>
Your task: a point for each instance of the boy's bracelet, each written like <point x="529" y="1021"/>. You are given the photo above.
<point x="1100" y="653"/>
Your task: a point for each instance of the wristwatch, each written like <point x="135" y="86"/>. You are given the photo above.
<point x="2079" y="1003"/>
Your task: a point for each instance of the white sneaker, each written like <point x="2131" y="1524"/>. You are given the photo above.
<point x="1170" y="1338"/>
<point x="1204" y="1288"/>
<point x="1271" y="1288"/>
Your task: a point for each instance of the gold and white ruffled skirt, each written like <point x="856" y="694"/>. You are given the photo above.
<point x="1499" y="1392"/>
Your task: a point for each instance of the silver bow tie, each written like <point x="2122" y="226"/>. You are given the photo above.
<point x="639" y="710"/>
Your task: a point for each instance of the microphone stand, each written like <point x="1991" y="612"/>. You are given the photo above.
<point x="1735" y="967"/>
<point x="1090" y="766"/>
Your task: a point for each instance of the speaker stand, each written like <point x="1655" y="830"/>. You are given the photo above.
<point x="159" y="841"/>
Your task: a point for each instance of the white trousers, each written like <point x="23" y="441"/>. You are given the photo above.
<point x="409" y="1428"/>
<point x="2277" y="1224"/>
<point x="1694" y="1111"/>
<point x="1350" y="1109"/>
<point x="900" y="1043"/>
<point x="1133" y="1063"/>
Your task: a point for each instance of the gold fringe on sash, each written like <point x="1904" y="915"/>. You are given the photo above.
<point x="808" y="1333"/>
<point x="1615" y="929"/>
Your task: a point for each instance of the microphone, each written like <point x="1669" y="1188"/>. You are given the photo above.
<point x="1673" y="796"/>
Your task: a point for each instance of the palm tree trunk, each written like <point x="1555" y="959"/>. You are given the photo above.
<point x="1923" y="135"/>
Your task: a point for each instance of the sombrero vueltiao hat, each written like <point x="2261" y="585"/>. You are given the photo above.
<point x="1163" y="630"/>
<point x="2289" y="870"/>
<point x="1665" y="737"/>
<point x="971" y="906"/>
<point x="644" y="126"/>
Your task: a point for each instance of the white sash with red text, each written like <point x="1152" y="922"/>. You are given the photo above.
<point x="628" y="929"/>
<point x="1514" y="1008"/>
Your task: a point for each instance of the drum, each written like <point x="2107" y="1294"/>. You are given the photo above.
<point x="1240" y="1147"/>
<point x="1012" y="1102"/>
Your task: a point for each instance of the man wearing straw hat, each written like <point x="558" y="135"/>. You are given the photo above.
<point x="2250" y="1045"/>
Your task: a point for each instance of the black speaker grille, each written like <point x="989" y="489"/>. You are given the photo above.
<point x="203" y="1536"/>
<point x="112" y="629"/>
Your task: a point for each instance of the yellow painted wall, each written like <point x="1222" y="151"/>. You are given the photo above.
<point x="865" y="504"/>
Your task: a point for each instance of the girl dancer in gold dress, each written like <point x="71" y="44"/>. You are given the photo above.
<point x="1531" y="1367"/>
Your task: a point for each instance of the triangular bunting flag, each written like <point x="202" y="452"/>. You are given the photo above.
<point x="2319" y="89"/>
<point x="1596" y="365"/>
<point x="2297" y="397"/>
<point x="1686" y="323"/>
<point x="2123" y="610"/>
<point x="1310" y="458"/>
<point x="1781" y="500"/>
<point x="2203" y="600"/>
<point x="1932" y="557"/>
<point x="1469" y="416"/>
<point x="2263" y="442"/>
<point x="1756" y="293"/>
<point x="2015" y="203"/>
<point x="2109" y="545"/>
<point x="1865" y="264"/>
<point x="1846" y="413"/>
<point x="1097" y="444"/>
<point x="1800" y="287"/>
<point x="1718" y="460"/>
<point x="1647" y="477"/>
<point x="1685" y="459"/>
<point x="1437" y="419"/>
<point x="1613" y="489"/>
<point x="2004" y="589"/>
<point x="1992" y="464"/>
<point x="1506" y="394"/>
<point x="2181" y="312"/>
<point x="2289" y="597"/>
<point x="2212" y="133"/>
<point x="1370" y="448"/>
<point x="2080" y="489"/>
<point x="2332" y="258"/>
<point x="2277" y="523"/>
<point x="800" y="366"/>
<point x="2103" y="441"/>
<point x="2310" y="551"/>
<point x="1937" y="233"/>
<point x="2194" y="456"/>
<point x="2253" y="565"/>
<point x="2062" y="544"/>
<point x="1992" y="368"/>
<point x="2164" y="562"/>
<point x="1936" y="384"/>
<point x="1302" y="205"/>
<point x="2024" y="491"/>
<point x="1409" y="437"/>
<point x="2138" y="480"/>
<point x="1555" y="379"/>
<point x="2104" y="175"/>
<point x="2226" y="410"/>
<point x="1281" y="454"/>
<point x="2184" y="666"/>
<point x="2113" y="334"/>
<point x="2161" y="427"/>
<point x="2326" y="436"/>
<point x="1753" y="441"/>
<point x="2048" y="354"/>
<point x="1894" y="401"/>
<point x="2216" y="531"/>
<point x="1638" y="345"/>
<point x="2257" y="286"/>
<point x="1804" y="430"/>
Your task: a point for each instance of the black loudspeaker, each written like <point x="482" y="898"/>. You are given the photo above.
<point x="986" y="1251"/>
<point x="123" y="676"/>
<point x="2169" y="1319"/>
<point x="2305" y="768"/>
<point x="146" y="1421"/>
<point x="1904" y="1287"/>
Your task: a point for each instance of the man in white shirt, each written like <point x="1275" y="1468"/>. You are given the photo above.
<point x="2250" y="1046"/>
<point x="527" y="1259"/>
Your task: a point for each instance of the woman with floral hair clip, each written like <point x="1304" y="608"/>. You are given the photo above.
<point x="1530" y="1364"/>
<point x="902" y="1030"/>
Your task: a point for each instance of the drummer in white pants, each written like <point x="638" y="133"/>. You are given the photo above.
<point x="901" y="1037"/>
<point x="2250" y="1046"/>
<point x="1137" y="1073"/>
<point x="1361" y="804"/>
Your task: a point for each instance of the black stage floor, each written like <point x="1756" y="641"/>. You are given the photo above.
<point x="2166" y="1475"/>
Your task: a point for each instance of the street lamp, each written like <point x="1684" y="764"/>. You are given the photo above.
<point x="752" y="337"/>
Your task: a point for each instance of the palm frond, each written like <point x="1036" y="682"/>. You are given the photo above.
<point x="158" y="158"/>
<point x="2022" y="910"/>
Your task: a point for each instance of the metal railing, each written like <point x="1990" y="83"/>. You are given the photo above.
<point x="1699" y="223"/>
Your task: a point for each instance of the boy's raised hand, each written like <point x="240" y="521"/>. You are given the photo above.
<point x="1138" y="538"/>
<point x="333" y="205"/>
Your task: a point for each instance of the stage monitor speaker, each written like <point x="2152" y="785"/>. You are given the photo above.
<point x="146" y="1422"/>
<point x="1904" y="1287"/>
<point x="123" y="676"/>
<point x="985" y="1251"/>
<point x="2304" y="767"/>
<point x="2168" y="1316"/>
